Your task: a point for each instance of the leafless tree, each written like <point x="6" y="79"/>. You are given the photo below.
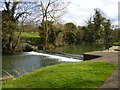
<point x="50" y="10"/>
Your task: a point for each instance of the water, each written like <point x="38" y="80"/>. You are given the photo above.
<point x="58" y="57"/>
<point x="79" y="49"/>
<point x="26" y="62"/>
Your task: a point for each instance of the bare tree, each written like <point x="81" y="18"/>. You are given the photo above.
<point x="50" y="10"/>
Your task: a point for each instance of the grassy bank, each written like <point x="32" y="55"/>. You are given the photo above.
<point x="28" y="35"/>
<point x="86" y="74"/>
<point x="31" y="38"/>
<point x="117" y="43"/>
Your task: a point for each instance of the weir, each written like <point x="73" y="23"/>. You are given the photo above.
<point x="54" y="57"/>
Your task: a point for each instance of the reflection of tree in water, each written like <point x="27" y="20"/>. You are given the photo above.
<point x="47" y="62"/>
<point x="19" y="65"/>
<point x="106" y="45"/>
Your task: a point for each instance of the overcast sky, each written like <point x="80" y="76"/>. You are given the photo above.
<point x="80" y="10"/>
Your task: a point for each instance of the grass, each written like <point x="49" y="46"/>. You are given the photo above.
<point x="29" y="34"/>
<point x="31" y="37"/>
<point x="117" y="43"/>
<point x="87" y="74"/>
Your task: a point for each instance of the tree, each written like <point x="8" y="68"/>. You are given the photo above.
<point x="98" y="19"/>
<point x="60" y="40"/>
<point x="49" y="10"/>
<point x="70" y="27"/>
<point x="86" y="31"/>
<point x="10" y="20"/>
<point x="70" y="37"/>
<point x="107" y="30"/>
<point x="9" y="24"/>
<point x="79" y="35"/>
<point x="70" y="33"/>
<point x="89" y="31"/>
<point x="107" y="33"/>
<point x="97" y="27"/>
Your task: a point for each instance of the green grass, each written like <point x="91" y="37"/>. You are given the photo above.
<point x="32" y="37"/>
<point x="117" y="43"/>
<point x="87" y="74"/>
<point x="28" y="35"/>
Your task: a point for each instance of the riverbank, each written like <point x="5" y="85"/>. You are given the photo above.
<point x="111" y="56"/>
<point x="80" y="75"/>
<point x="22" y="63"/>
<point x="74" y="75"/>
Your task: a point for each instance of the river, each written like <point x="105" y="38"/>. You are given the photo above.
<point x="26" y="62"/>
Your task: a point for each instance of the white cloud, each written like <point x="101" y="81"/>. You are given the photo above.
<point x="80" y="10"/>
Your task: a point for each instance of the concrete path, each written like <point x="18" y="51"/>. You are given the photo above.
<point x="110" y="57"/>
<point x="105" y="56"/>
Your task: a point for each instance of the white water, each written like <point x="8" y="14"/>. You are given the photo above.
<point x="54" y="57"/>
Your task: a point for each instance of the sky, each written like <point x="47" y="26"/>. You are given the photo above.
<point x="79" y="11"/>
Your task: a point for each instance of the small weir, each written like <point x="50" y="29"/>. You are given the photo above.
<point x="61" y="58"/>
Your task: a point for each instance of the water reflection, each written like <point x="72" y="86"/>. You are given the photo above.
<point x="80" y="49"/>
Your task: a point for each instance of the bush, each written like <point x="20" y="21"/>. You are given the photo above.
<point x="26" y="47"/>
<point x="70" y="37"/>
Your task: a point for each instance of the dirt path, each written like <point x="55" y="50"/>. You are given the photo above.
<point x="110" y="57"/>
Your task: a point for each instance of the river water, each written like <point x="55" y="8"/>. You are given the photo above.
<point x="26" y="62"/>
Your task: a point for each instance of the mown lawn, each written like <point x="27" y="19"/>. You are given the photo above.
<point x="87" y="74"/>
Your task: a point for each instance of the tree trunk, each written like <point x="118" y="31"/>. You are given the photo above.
<point x="46" y="34"/>
<point x="10" y="45"/>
